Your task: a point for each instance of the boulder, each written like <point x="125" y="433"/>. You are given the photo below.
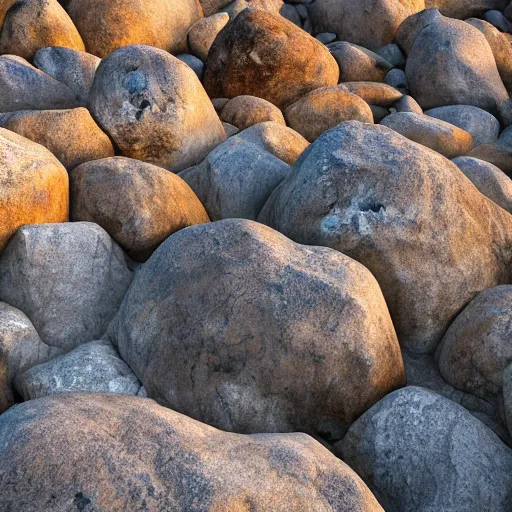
<point x="155" y="108"/>
<point x="230" y="129"/>
<point x="478" y="345"/>
<point x="445" y="138"/>
<point x="139" y="205"/>
<point x="487" y="178"/>
<point x="262" y="54"/>
<point x="203" y="32"/>
<point x="357" y="63"/>
<point x="283" y="142"/>
<point x="271" y="6"/>
<point x="68" y="278"/>
<point x="498" y="20"/>
<point x="407" y="104"/>
<point x="414" y="432"/>
<point x="369" y="23"/>
<point x="483" y="127"/>
<point x="211" y="7"/>
<point x="33" y="185"/>
<point x="507" y="396"/>
<point x="235" y="179"/>
<point x="244" y="111"/>
<point x="451" y="63"/>
<point x="195" y="64"/>
<point x="412" y="26"/>
<point x="20" y="349"/>
<point x="501" y="49"/>
<point x="393" y="54"/>
<point x="405" y="212"/>
<point x="23" y="87"/>
<point x="250" y="332"/>
<point x="463" y="9"/>
<point x="374" y="93"/>
<point x="93" y="367"/>
<point x="112" y="452"/>
<point x="71" y="135"/>
<point x="33" y="24"/>
<point x="106" y="26"/>
<point x="325" y="108"/>
<point x="4" y="7"/>
<point x="397" y="79"/>
<point x="70" y="67"/>
<point x="499" y="155"/>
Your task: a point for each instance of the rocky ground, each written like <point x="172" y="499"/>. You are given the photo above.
<point x="256" y="256"/>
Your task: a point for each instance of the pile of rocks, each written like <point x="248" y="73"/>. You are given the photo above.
<point x="256" y="255"/>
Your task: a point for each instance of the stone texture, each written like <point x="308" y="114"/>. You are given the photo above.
<point x="71" y="135"/>
<point x="138" y="204"/>
<point x="33" y="24"/>
<point x="407" y="104"/>
<point x="325" y="108"/>
<point x="106" y="26"/>
<point x="112" y="452"/>
<point x="445" y="138"/>
<point x="397" y="79"/>
<point x="245" y="111"/>
<point x="264" y="55"/>
<point x="463" y="9"/>
<point x="154" y="108"/>
<point x="235" y="179"/>
<point x="412" y="433"/>
<point x="406" y="213"/>
<point x="70" y="67"/>
<point x="33" y="185"/>
<point x="20" y="349"/>
<point x="69" y="279"/>
<point x="369" y="23"/>
<point x="374" y="93"/>
<point x="23" y="87"/>
<point x="487" y="178"/>
<point x="204" y="31"/>
<point x="499" y="155"/>
<point x="249" y="332"/>
<point x="93" y="367"/>
<point x="195" y="64"/>
<point x="412" y="26"/>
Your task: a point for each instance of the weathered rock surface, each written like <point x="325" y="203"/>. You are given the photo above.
<point x="138" y="204"/>
<point x="106" y="26"/>
<point x="478" y="345"/>
<point x="487" y="178"/>
<point x="93" y="367"/>
<point x="405" y="212"/>
<point x="71" y="135"/>
<point x="369" y="23"/>
<point x="463" y="9"/>
<point x="325" y="108"/>
<point x="23" y="87"/>
<point x="374" y="93"/>
<point x="414" y="432"/>
<point x="497" y="154"/>
<point x="235" y="179"/>
<point x="264" y="55"/>
<point x="68" y="278"/>
<point x="33" y="24"/>
<point x="249" y="332"/>
<point x="20" y="349"/>
<point x="154" y="108"/>
<point x="204" y="31"/>
<point x="70" y="67"/>
<point x="33" y="185"/>
<point x="445" y="138"/>
<point x="143" y="456"/>
<point x="245" y="111"/>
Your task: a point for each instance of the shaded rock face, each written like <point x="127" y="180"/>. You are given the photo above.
<point x="20" y="349"/>
<point x="451" y="63"/>
<point x="369" y="23"/>
<point x="69" y="279"/>
<point x="414" y="432"/>
<point x="478" y="345"/>
<point x="34" y="185"/>
<point x="154" y="108"/>
<point x="406" y="213"/>
<point x="233" y="324"/>
<point x="106" y="26"/>
<point x="143" y="456"/>
<point x="245" y="111"/>
<point x="71" y="135"/>
<point x="93" y="367"/>
<point x="235" y="179"/>
<point x="463" y="9"/>
<point x="29" y="25"/>
<point x="138" y="204"/>
<point x="262" y="54"/>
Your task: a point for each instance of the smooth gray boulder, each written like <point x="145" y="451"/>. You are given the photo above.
<point x="483" y="127"/>
<point x="417" y="450"/>
<point x="233" y="324"/>
<point x="68" y="278"/>
<point x="235" y="179"/>
<point x="94" y="367"/>
<point x="487" y="178"/>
